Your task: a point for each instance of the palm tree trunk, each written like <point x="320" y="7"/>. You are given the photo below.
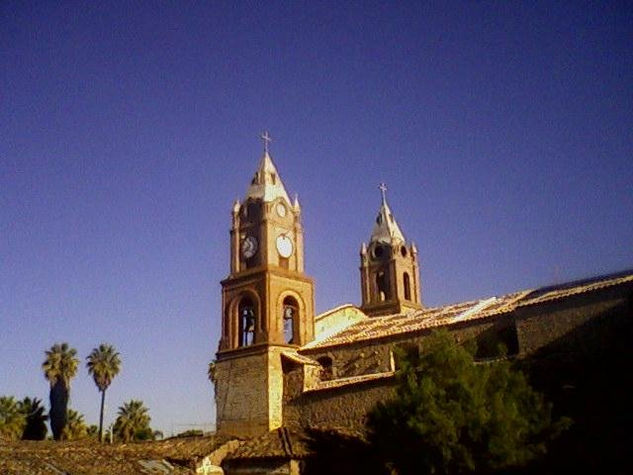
<point x="101" y="416"/>
<point x="59" y="405"/>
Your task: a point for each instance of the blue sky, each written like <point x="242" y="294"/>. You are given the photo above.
<point x="502" y="129"/>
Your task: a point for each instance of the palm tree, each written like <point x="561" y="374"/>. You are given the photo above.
<point x="132" y="421"/>
<point x="103" y="364"/>
<point x="35" y="428"/>
<point x="75" y="427"/>
<point x="12" y="420"/>
<point x="60" y="366"/>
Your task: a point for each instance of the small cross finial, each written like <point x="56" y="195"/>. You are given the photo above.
<point x="266" y="138"/>
<point x="383" y="190"/>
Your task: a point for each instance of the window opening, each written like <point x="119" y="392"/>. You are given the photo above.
<point x="326" y="368"/>
<point x="378" y="252"/>
<point x="247" y="322"/>
<point x="407" y="286"/>
<point x="290" y="313"/>
<point x="252" y="211"/>
<point x="381" y="284"/>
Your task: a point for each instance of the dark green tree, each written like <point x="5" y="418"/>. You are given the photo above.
<point x="35" y="427"/>
<point x="103" y="364"/>
<point x="452" y="415"/>
<point x="60" y="366"/>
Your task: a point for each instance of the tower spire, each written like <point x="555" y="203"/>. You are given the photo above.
<point x="266" y="138"/>
<point x="267" y="184"/>
<point x="383" y="191"/>
<point x="386" y="228"/>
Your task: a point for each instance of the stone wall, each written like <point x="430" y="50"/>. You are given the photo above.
<point x="374" y="356"/>
<point x="248" y="392"/>
<point x="538" y="326"/>
<point x="345" y="406"/>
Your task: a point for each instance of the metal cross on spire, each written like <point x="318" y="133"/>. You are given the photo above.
<point x="383" y="191"/>
<point x="266" y="138"/>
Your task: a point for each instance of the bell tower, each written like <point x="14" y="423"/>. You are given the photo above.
<point x="267" y="302"/>
<point x="389" y="272"/>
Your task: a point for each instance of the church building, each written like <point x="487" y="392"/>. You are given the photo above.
<point x="279" y="366"/>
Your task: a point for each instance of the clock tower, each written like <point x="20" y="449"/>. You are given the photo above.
<point x="267" y="305"/>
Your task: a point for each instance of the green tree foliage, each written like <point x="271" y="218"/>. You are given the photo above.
<point x="454" y="416"/>
<point x="35" y="427"/>
<point x="103" y="364"/>
<point x="132" y="422"/>
<point x="75" y="428"/>
<point x="60" y="366"/>
<point x="12" y="419"/>
<point x="211" y="371"/>
<point x="93" y="431"/>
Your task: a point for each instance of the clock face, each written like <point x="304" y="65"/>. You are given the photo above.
<point x="281" y="210"/>
<point x="284" y="245"/>
<point x="249" y="247"/>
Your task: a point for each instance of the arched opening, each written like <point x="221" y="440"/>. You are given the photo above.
<point x="407" y="286"/>
<point x="252" y="210"/>
<point x="247" y="321"/>
<point x="290" y="314"/>
<point x="326" y="368"/>
<point x="382" y="286"/>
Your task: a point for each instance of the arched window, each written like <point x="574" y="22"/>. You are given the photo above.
<point x="326" y="368"/>
<point x="382" y="286"/>
<point x="407" y="286"/>
<point x="247" y="322"/>
<point x="290" y="315"/>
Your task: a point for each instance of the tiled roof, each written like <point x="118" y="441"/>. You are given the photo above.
<point x="353" y="380"/>
<point x="279" y="443"/>
<point x="174" y="456"/>
<point x="398" y="324"/>
<point x="546" y="294"/>
<point x="329" y="312"/>
<point x="297" y="358"/>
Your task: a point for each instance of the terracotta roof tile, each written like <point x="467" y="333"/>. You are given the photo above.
<point x="279" y="443"/>
<point x="353" y="380"/>
<point x="399" y="324"/>
<point x="176" y="455"/>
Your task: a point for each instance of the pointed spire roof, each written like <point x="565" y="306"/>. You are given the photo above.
<point x="386" y="229"/>
<point x="266" y="184"/>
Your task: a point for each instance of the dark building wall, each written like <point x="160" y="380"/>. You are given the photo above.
<point x="337" y="407"/>
<point x="547" y="334"/>
<point x="538" y="326"/>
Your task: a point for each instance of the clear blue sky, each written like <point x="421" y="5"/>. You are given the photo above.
<point x="504" y="131"/>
